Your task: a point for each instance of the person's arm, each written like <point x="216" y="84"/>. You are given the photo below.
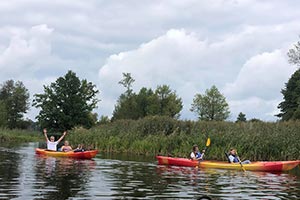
<point x="202" y="155"/>
<point x="62" y="137"/>
<point x="193" y="156"/>
<point x="45" y="134"/>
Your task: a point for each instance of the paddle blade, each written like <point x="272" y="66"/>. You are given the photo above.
<point x="208" y="142"/>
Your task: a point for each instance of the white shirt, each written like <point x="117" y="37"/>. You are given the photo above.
<point x="51" y="145"/>
<point x="193" y="156"/>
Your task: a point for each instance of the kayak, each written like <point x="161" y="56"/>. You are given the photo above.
<point x="268" y="166"/>
<point x="70" y="154"/>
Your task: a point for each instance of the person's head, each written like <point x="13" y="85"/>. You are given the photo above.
<point x="232" y="151"/>
<point x="195" y="148"/>
<point x="52" y="138"/>
<point x="66" y="143"/>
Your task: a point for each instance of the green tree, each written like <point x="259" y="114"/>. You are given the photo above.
<point x="146" y="103"/>
<point x="3" y="114"/>
<point x="169" y="103"/>
<point x="104" y="120"/>
<point x="241" y="117"/>
<point x="127" y="82"/>
<point x="290" y="106"/>
<point x="15" y="99"/>
<point x="126" y="106"/>
<point x="294" y="54"/>
<point x="66" y="103"/>
<point x="210" y="106"/>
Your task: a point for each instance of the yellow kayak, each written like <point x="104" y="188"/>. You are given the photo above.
<point x="270" y="166"/>
<point x="70" y="154"/>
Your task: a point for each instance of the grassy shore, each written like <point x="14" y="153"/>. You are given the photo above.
<point x="153" y="135"/>
<point x="17" y="136"/>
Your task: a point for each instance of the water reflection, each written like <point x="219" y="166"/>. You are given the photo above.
<point x="61" y="178"/>
<point x="9" y="173"/>
<point x="231" y="184"/>
<point x="24" y="175"/>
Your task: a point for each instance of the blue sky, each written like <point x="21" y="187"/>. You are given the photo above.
<point x="239" y="46"/>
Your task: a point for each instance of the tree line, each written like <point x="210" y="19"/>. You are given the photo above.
<point x="69" y="102"/>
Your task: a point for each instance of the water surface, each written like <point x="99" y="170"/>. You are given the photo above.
<point x="24" y="175"/>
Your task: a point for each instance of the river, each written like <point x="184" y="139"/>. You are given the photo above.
<point x="24" y="175"/>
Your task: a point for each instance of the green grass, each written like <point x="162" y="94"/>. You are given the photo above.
<point x="18" y="136"/>
<point x="153" y="135"/>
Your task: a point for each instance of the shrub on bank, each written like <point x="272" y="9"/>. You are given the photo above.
<point x="16" y="135"/>
<point x="163" y="135"/>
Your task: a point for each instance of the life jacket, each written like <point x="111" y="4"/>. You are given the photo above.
<point x="198" y="155"/>
<point x="235" y="160"/>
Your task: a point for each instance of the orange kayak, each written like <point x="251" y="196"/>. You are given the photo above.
<point x="70" y="154"/>
<point x="268" y="166"/>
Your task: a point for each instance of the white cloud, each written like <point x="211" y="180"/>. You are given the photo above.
<point x="189" y="45"/>
<point x="190" y="65"/>
<point x="25" y="49"/>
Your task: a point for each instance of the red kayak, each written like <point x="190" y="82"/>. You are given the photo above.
<point x="70" y="154"/>
<point x="271" y="166"/>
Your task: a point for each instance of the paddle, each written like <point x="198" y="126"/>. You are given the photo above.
<point x="207" y="145"/>
<point x="240" y="162"/>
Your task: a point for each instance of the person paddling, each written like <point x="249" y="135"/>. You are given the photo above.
<point x="195" y="154"/>
<point x="51" y="144"/>
<point x="233" y="158"/>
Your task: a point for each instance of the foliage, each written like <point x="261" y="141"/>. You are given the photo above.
<point x="241" y="117"/>
<point x="169" y="104"/>
<point x="163" y="101"/>
<point x="290" y="106"/>
<point x="14" y="97"/>
<point x="66" y="103"/>
<point x="127" y="82"/>
<point x="3" y="114"/>
<point x="164" y="135"/>
<point x="104" y="120"/>
<point x="294" y="54"/>
<point x="16" y="135"/>
<point x="210" y="106"/>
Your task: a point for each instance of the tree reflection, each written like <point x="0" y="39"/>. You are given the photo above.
<point x="9" y="174"/>
<point x="61" y="178"/>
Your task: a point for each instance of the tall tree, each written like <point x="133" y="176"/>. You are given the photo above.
<point x="169" y="103"/>
<point x="241" y="117"/>
<point x="294" y="54"/>
<point x="66" y="103"/>
<point x="127" y="82"/>
<point x="290" y="106"/>
<point x="211" y="106"/>
<point x="134" y="106"/>
<point x="3" y="114"/>
<point x="15" y="97"/>
<point x="126" y="106"/>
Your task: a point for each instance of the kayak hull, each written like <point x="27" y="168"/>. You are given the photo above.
<point x="71" y="154"/>
<point x="270" y="166"/>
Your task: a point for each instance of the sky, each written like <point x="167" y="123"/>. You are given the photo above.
<point x="240" y="46"/>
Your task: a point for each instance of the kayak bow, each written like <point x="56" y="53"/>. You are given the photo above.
<point x="268" y="166"/>
<point x="70" y="154"/>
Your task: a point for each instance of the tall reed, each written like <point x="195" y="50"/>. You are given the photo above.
<point x="163" y="135"/>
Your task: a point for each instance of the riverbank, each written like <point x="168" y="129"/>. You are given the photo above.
<point x="17" y="136"/>
<point x="162" y="135"/>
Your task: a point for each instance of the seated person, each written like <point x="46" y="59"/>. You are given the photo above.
<point x="195" y="154"/>
<point x="79" y="148"/>
<point x="66" y="147"/>
<point x="233" y="158"/>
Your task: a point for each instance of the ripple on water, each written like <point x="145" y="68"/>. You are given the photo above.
<point x="27" y="176"/>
